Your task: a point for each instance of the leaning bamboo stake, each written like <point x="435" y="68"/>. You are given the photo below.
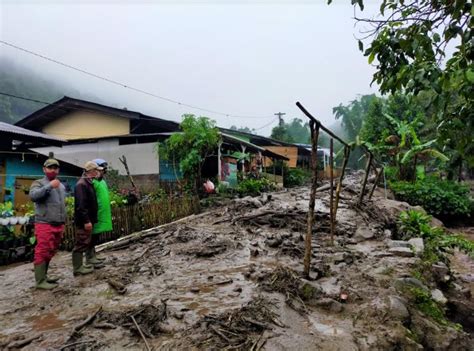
<point x="331" y="193"/>
<point x="314" y="127"/>
<point x="341" y="177"/>
<point x="366" y="176"/>
<point x="377" y="177"/>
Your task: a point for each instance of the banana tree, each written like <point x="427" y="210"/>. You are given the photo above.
<point x="406" y="146"/>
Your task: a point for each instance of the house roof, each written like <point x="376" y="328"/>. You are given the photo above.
<point x="45" y="115"/>
<point x="10" y="131"/>
<point x="236" y="140"/>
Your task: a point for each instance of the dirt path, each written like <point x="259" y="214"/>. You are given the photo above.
<point x="231" y="279"/>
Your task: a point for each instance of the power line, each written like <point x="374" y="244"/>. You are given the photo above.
<point x="123" y="85"/>
<point x="266" y="125"/>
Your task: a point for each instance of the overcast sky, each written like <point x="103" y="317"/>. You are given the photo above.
<point x="228" y="56"/>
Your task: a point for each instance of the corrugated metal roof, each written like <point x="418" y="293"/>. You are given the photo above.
<point x="23" y="134"/>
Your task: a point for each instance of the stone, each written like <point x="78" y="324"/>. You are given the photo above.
<point x="439" y="297"/>
<point x="398" y="308"/>
<point x="387" y="233"/>
<point x="398" y="243"/>
<point x="363" y="233"/>
<point x="440" y="272"/>
<point x="418" y="245"/>
<point x="403" y="283"/>
<point x="401" y="251"/>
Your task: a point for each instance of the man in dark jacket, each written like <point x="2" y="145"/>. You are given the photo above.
<point x="85" y="216"/>
<point x="49" y="196"/>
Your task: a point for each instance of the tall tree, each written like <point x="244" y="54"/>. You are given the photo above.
<point x="408" y="42"/>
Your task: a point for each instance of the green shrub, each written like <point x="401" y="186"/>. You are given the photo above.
<point x="441" y="198"/>
<point x="296" y="177"/>
<point x="255" y="187"/>
<point x="437" y="241"/>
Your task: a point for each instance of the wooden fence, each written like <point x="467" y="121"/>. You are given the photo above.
<point x="130" y="219"/>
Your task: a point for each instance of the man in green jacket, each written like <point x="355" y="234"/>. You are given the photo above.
<point x="104" y="214"/>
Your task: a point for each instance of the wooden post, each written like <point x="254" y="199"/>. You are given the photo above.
<point x="341" y="177"/>
<point x="331" y="193"/>
<point x="377" y="177"/>
<point x="366" y="176"/>
<point x="314" y="128"/>
<point x="219" y="162"/>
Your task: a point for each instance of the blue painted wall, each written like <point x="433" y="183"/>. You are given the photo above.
<point x="167" y="171"/>
<point x="27" y="168"/>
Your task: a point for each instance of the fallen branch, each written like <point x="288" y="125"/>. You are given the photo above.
<point x="20" y="343"/>
<point x="86" y="321"/>
<point x="224" y="282"/>
<point x="141" y="333"/>
<point x="131" y="238"/>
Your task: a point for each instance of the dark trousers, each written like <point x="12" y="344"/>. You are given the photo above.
<point x="82" y="240"/>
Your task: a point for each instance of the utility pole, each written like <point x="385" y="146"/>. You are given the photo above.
<point x="280" y="118"/>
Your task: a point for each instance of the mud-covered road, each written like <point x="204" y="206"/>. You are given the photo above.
<point x="229" y="278"/>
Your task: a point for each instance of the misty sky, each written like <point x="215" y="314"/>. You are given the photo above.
<point x="229" y="56"/>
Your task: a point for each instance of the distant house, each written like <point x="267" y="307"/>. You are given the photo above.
<point x="19" y="166"/>
<point x="98" y="131"/>
<point x="295" y="155"/>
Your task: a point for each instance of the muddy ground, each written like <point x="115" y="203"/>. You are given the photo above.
<point x="230" y="278"/>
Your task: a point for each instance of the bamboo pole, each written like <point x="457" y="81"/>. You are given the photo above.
<point x="331" y="193"/>
<point x="366" y="176"/>
<point x="314" y="127"/>
<point x="377" y="177"/>
<point x="341" y="178"/>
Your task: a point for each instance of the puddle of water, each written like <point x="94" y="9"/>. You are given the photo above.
<point x="48" y="321"/>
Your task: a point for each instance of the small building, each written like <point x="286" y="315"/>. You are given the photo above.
<point x="19" y="166"/>
<point x="97" y="131"/>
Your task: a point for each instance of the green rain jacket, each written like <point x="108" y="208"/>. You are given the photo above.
<point x="104" y="218"/>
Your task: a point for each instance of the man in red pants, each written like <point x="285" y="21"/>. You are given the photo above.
<point x="49" y="196"/>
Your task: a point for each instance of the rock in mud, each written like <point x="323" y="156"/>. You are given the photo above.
<point x="402" y="251"/>
<point x="409" y="282"/>
<point x="440" y="272"/>
<point x="398" y="308"/>
<point x="398" y="243"/>
<point x="438" y="296"/>
<point x="364" y="233"/>
<point x="417" y="245"/>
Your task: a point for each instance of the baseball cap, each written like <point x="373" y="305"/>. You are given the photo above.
<point x="51" y="162"/>
<point x="100" y="162"/>
<point x="90" y="166"/>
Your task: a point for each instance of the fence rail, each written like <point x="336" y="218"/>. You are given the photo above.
<point x="125" y="221"/>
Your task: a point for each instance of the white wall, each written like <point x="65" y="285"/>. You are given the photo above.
<point x="141" y="158"/>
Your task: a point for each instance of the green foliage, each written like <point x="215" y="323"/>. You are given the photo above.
<point x="117" y="199"/>
<point x="296" y="177"/>
<point x="417" y="224"/>
<point x="294" y="132"/>
<point x="70" y="206"/>
<point x="254" y="187"/>
<point x="413" y="224"/>
<point x="441" y="198"/>
<point x="422" y="299"/>
<point x="198" y="140"/>
<point x="408" y="48"/>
